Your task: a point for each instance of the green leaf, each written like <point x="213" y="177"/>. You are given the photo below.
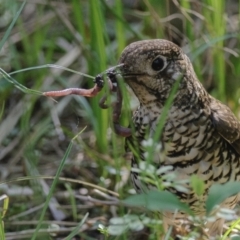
<point x="197" y="184"/>
<point x="116" y="230"/>
<point x="235" y="238"/>
<point x="218" y="193"/>
<point x="157" y="201"/>
<point x="119" y="225"/>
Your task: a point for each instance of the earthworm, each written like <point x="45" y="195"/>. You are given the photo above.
<point x="102" y="103"/>
<point x="79" y="91"/>
<point x="112" y="88"/>
<point x="99" y="82"/>
<point x="76" y="91"/>
<point x="120" y="130"/>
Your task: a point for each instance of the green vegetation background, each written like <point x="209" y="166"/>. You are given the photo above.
<point x="35" y="131"/>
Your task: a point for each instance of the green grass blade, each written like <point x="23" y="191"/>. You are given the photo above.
<point x="136" y="34"/>
<point x="18" y="85"/>
<point x="76" y="230"/>
<point x="98" y="45"/>
<point x="53" y="186"/>
<point x="51" y="66"/>
<point x="120" y="27"/>
<point x="72" y="200"/>
<point x="8" y="31"/>
<point x="5" y="200"/>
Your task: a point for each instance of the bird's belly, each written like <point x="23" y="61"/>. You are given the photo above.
<point x="190" y="145"/>
<point x="210" y="159"/>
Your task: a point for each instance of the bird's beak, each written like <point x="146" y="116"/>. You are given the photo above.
<point x="114" y="71"/>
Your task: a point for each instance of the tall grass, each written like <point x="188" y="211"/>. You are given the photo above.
<point x="217" y="27"/>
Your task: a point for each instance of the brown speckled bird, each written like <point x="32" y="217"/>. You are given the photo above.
<point x="201" y="135"/>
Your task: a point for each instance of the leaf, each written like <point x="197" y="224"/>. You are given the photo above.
<point x="136" y="225"/>
<point x="197" y="185"/>
<point x="235" y="238"/>
<point x="119" y="225"/>
<point x="157" y="201"/>
<point x="218" y="193"/>
<point x="116" y="230"/>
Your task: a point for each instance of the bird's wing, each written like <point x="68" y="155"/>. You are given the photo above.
<point x="226" y="123"/>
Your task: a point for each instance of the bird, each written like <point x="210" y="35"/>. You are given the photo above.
<point x="200" y="135"/>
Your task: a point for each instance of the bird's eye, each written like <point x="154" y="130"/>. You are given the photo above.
<point x="158" y="64"/>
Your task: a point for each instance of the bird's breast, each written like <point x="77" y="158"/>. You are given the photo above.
<point x="189" y="142"/>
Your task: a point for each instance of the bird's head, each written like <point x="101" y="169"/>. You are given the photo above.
<point x="151" y="67"/>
